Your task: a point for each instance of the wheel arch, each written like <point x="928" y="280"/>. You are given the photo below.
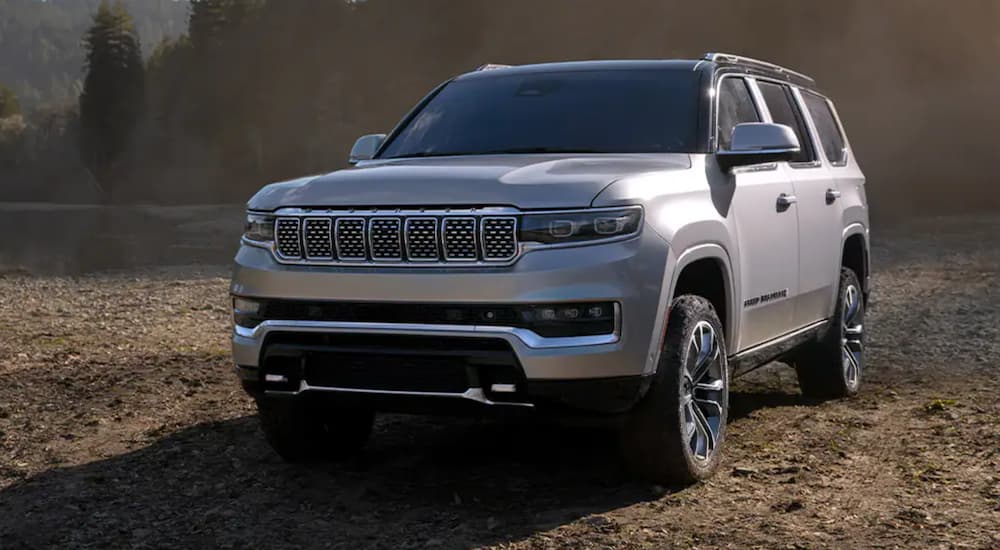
<point x="706" y="270"/>
<point x="855" y="254"/>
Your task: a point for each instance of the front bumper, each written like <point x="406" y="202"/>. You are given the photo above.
<point x="629" y="273"/>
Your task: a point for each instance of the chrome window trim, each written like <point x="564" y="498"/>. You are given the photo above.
<point x="528" y="337"/>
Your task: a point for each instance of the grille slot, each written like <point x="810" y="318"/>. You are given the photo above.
<point x="287" y="238"/>
<point x="422" y="239"/>
<point x="499" y="238"/>
<point x="350" y="239"/>
<point x="318" y="239"/>
<point x="384" y="238"/>
<point x="460" y="239"/>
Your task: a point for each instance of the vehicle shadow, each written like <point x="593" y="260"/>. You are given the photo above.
<point x="773" y="385"/>
<point x="421" y="482"/>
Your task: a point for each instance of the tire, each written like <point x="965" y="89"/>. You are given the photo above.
<point x="833" y="366"/>
<point x="300" y="430"/>
<point x="675" y="435"/>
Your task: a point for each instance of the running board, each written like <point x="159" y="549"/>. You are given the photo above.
<point x="762" y="354"/>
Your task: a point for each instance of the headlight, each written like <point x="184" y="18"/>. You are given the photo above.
<point x="259" y="228"/>
<point x="580" y="225"/>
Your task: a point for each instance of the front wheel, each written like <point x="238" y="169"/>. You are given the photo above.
<point x="675" y="434"/>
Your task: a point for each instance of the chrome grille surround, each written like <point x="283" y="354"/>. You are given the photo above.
<point x="414" y="238"/>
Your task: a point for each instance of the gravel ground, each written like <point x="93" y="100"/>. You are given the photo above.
<point x="121" y="425"/>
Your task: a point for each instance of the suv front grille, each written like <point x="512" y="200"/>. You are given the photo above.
<point x="352" y="238"/>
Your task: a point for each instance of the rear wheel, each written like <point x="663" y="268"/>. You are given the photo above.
<point x="675" y="434"/>
<point x="299" y="429"/>
<point x="833" y="366"/>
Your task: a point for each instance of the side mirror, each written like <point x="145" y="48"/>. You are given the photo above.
<point x="759" y="143"/>
<point x="365" y="148"/>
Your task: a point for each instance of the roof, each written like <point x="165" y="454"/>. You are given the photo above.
<point x="492" y="70"/>
<point x="709" y="60"/>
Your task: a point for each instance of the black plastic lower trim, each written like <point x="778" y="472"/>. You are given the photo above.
<point x="601" y="395"/>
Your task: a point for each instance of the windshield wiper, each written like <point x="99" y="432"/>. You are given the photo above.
<point x="509" y="151"/>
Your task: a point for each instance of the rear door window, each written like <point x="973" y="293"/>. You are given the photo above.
<point x="830" y="134"/>
<point x="784" y="110"/>
<point x="735" y="107"/>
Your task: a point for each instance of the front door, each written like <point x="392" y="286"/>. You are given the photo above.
<point x="766" y="226"/>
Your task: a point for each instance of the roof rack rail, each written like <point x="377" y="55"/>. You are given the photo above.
<point x="733" y="59"/>
<point x="492" y="66"/>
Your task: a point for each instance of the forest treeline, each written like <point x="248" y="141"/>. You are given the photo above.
<point x="40" y="55"/>
<point x="262" y="90"/>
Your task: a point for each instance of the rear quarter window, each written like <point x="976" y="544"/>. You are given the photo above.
<point x="830" y="134"/>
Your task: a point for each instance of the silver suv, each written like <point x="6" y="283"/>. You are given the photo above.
<point x="609" y="241"/>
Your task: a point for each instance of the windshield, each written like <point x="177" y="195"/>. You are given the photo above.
<point x="601" y="111"/>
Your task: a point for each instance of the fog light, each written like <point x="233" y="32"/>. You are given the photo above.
<point x="246" y="312"/>
<point x="245" y="305"/>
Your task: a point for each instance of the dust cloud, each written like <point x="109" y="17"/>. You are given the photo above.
<point x="912" y="79"/>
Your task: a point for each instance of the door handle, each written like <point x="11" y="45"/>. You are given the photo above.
<point x="785" y="201"/>
<point x="832" y="195"/>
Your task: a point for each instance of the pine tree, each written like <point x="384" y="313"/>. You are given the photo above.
<point x="8" y="102"/>
<point x="210" y="19"/>
<point x="113" y="90"/>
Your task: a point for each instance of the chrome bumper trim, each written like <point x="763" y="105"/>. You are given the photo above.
<point x="529" y="338"/>
<point x="471" y="394"/>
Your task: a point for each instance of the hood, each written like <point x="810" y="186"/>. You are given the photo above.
<point x="522" y="181"/>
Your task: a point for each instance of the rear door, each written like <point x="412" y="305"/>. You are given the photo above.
<point x="818" y="218"/>
<point x="767" y="233"/>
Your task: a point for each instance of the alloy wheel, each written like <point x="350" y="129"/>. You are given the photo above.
<point x="703" y="393"/>
<point x="852" y="343"/>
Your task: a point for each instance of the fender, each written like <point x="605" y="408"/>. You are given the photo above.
<point x="675" y="265"/>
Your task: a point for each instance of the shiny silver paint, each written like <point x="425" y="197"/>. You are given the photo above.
<point x="692" y="211"/>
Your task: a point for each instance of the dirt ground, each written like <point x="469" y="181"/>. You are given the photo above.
<point x="121" y="425"/>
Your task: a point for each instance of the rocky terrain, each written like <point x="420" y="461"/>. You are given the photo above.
<point x="121" y="425"/>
